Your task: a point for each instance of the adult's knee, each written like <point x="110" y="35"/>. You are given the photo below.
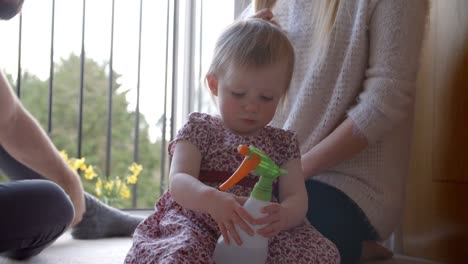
<point x="39" y="211"/>
<point x="336" y="216"/>
<point x="35" y="205"/>
<point x="51" y="200"/>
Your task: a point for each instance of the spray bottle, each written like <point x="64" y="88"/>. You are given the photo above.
<point x="254" y="249"/>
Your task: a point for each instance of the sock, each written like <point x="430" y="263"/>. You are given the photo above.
<point x="101" y="220"/>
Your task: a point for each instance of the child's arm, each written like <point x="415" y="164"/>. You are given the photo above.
<point x="184" y="185"/>
<point x="292" y="209"/>
<point x="189" y="192"/>
<point x="292" y="193"/>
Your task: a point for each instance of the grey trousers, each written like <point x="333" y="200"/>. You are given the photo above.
<point x="34" y="211"/>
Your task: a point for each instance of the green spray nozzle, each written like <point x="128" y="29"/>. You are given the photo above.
<point x="258" y="162"/>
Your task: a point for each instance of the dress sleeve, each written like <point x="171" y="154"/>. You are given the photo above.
<point x="195" y="130"/>
<point x="396" y="30"/>
<point x="288" y="146"/>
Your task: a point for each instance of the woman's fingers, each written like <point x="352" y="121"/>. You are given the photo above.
<point x="265" y="14"/>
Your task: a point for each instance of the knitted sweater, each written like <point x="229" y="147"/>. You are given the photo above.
<point x="368" y="74"/>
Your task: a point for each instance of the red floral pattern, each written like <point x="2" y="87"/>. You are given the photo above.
<point x="173" y="234"/>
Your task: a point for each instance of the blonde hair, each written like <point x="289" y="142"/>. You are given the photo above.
<point x="324" y="16"/>
<point x="252" y="43"/>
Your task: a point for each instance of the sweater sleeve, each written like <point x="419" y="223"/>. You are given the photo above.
<point x="396" y="29"/>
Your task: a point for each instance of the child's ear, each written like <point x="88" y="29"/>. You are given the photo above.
<point x="212" y="83"/>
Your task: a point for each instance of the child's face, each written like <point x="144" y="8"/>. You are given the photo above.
<point x="248" y="97"/>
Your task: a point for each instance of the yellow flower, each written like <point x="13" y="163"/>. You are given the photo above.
<point x="118" y="182"/>
<point x="109" y="185"/>
<point x="135" y="168"/>
<point x="74" y="165"/>
<point x="64" y="155"/>
<point x="98" y="188"/>
<point x="124" y="191"/>
<point x="82" y="164"/>
<point x="99" y="184"/>
<point x="89" y="173"/>
<point x="109" y="190"/>
<point x="132" y="179"/>
<point x="79" y="164"/>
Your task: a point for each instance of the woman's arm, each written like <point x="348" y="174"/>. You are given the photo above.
<point x="343" y="143"/>
<point x="395" y="31"/>
<point x="293" y="194"/>
<point x="25" y="140"/>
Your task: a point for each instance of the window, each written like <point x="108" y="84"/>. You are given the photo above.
<point x="131" y="66"/>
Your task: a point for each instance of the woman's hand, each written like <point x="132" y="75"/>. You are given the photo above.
<point x="276" y="220"/>
<point x="265" y="14"/>
<point x="228" y="212"/>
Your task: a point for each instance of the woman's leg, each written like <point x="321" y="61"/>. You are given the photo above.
<point x="339" y="219"/>
<point x="99" y="219"/>
<point x="34" y="213"/>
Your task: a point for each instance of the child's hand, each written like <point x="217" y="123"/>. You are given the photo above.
<point x="228" y="212"/>
<point x="275" y="220"/>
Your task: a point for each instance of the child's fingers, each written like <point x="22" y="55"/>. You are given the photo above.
<point x="271" y="208"/>
<point x="272" y="214"/>
<point x="266" y="219"/>
<point x="269" y="230"/>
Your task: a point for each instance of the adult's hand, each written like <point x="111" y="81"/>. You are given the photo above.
<point x="265" y="14"/>
<point x="74" y="190"/>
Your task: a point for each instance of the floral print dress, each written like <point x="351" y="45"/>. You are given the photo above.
<point x="173" y="234"/>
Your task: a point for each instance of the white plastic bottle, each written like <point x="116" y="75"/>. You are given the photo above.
<point x="254" y="249"/>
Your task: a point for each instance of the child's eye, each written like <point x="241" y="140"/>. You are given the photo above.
<point x="266" y="98"/>
<point x="236" y="94"/>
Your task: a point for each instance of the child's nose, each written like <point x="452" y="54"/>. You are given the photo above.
<point x="251" y="106"/>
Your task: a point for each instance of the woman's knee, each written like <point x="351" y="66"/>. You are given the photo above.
<point x="338" y="218"/>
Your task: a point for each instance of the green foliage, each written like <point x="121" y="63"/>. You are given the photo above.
<point x="65" y="109"/>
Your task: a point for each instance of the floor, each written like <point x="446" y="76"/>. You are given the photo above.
<point x="66" y="250"/>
